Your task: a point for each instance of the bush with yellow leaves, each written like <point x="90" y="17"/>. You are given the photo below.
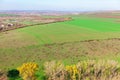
<point x="72" y="72"/>
<point x="27" y="70"/>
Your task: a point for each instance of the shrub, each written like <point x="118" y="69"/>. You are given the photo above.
<point x="72" y="72"/>
<point x="54" y="70"/>
<point x="13" y="73"/>
<point x="27" y="71"/>
<point x="84" y="70"/>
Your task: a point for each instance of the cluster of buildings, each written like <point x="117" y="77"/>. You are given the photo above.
<point x="4" y="26"/>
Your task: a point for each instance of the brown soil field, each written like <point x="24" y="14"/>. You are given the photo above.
<point x="107" y="15"/>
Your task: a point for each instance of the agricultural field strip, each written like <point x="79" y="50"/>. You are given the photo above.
<point x="59" y="33"/>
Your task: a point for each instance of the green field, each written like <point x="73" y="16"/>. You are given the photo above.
<point x="80" y="28"/>
<point x="55" y="41"/>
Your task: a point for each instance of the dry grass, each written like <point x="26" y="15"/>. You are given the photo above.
<point x="3" y="75"/>
<point x="14" y="39"/>
<point x="91" y="47"/>
<point x="84" y="70"/>
<point x="67" y="52"/>
<point x="54" y="70"/>
<point x="108" y="46"/>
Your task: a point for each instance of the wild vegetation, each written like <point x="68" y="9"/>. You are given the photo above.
<point x="27" y="71"/>
<point x="85" y="37"/>
<point x="84" y="70"/>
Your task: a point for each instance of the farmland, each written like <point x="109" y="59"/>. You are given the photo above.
<point x="84" y="37"/>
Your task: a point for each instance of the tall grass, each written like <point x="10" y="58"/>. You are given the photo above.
<point x="84" y="70"/>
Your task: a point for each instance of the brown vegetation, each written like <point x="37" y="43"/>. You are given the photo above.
<point x="3" y="76"/>
<point x="107" y="15"/>
<point x="10" y="23"/>
<point x="91" y="47"/>
<point x="84" y="70"/>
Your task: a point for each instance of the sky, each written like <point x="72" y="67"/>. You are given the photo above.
<point x="60" y="5"/>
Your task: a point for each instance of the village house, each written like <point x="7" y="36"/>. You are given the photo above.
<point x="9" y="24"/>
<point x="2" y="27"/>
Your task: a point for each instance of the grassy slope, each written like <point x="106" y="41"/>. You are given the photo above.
<point x="81" y="28"/>
<point x="24" y="44"/>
